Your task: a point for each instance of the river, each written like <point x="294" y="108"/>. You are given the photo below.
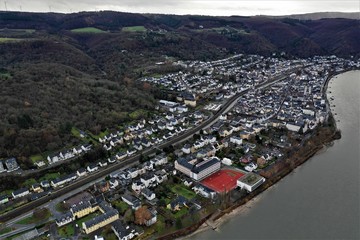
<point x="320" y="199"/>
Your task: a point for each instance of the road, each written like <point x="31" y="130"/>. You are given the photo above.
<point x="79" y="184"/>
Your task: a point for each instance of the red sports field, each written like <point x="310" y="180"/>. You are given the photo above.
<point x="223" y="180"/>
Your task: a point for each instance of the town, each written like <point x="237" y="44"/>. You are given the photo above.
<point x="209" y="144"/>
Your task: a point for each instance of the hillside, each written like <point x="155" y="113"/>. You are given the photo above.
<point x="321" y="15"/>
<point x="59" y="71"/>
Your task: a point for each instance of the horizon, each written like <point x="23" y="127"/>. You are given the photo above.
<point x="187" y="7"/>
<point x="145" y="13"/>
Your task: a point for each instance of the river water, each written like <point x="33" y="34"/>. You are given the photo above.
<point x="320" y="199"/>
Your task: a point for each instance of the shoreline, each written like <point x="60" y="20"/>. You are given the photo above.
<point x="224" y="217"/>
<point x="242" y="209"/>
<point x="252" y="199"/>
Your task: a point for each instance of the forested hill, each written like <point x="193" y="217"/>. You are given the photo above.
<point x="59" y="71"/>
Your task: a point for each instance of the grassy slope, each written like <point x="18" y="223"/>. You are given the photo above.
<point x="87" y="30"/>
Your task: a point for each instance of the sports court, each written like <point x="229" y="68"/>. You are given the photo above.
<point x="223" y="180"/>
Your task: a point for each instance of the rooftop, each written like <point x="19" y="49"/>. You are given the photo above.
<point x="250" y="178"/>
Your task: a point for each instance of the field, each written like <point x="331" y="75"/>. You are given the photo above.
<point x="4" y="39"/>
<point x="134" y="29"/>
<point x="67" y="231"/>
<point x="183" y="191"/>
<point x="50" y="176"/>
<point x="37" y="158"/>
<point x="223" y="180"/>
<point x="87" y="30"/>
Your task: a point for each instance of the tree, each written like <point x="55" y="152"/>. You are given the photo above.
<point x="178" y="223"/>
<point x="142" y="215"/>
<point x="258" y="139"/>
<point x="129" y="216"/>
<point x="196" y="137"/>
<point x="162" y="203"/>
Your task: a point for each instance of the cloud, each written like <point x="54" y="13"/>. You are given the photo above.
<point x="203" y="7"/>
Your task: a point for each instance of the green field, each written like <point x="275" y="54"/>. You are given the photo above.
<point x="87" y="30"/>
<point x="138" y="113"/>
<point x="32" y="219"/>
<point x="50" y="176"/>
<point x="17" y="30"/>
<point x="134" y="29"/>
<point x="67" y="231"/>
<point x="183" y="191"/>
<point x="100" y="135"/>
<point x="29" y="182"/>
<point x="180" y="213"/>
<point x="121" y="206"/>
<point x="5" y="230"/>
<point x="37" y="158"/>
<point x="4" y="39"/>
<point x="5" y="75"/>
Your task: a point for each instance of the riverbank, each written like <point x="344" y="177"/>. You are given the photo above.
<point x="321" y="139"/>
<point x="284" y="168"/>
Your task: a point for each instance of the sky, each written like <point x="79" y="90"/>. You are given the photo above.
<point x="200" y="7"/>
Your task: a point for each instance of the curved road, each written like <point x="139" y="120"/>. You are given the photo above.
<point x="134" y="159"/>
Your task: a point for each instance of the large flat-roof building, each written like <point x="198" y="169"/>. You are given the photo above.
<point x="250" y="181"/>
<point x="197" y="168"/>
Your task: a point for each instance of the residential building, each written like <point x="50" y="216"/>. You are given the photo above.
<point x="227" y="161"/>
<point x="132" y="201"/>
<point x="63" y="180"/>
<point x="20" y="193"/>
<point x="45" y="184"/>
<point x="2" y="169"/>
<point x="81" y="172"/>
<point x="11" y="164"/>
<point x="36" y="188"/>
<point x="148" y="194"/>
<point x="64" y="219"/>
<point x="236" y="140"/>
<point x="4" y="199"/>
<point x="153" y="217"/>
<point x="177" y="203"/>
<point x="123" y="233"/>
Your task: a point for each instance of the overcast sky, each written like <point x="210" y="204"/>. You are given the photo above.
<point x="202" y="7"/>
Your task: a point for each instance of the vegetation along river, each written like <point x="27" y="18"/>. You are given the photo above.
<point x="320" y="199"/>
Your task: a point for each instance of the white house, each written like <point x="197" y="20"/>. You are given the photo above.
<point x="148" y="179"/>
<point x="64" y="219"/>
<point x="160" y="176"/>
<point x="148" y="194"/>
<point x="92" y="168"/>
<point x="133" y="172"/>
<point x="186" y="149"/>
<point x="227" y="161"/>
<point x="251" y="167"/>
<point x="81" y="172"/>
<point x="293" y="127"/>
<point x="137" y="186"/>
<point x="20" y="193"/>
<point x="236" y="140"/>
<point x="121" y="155"/>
